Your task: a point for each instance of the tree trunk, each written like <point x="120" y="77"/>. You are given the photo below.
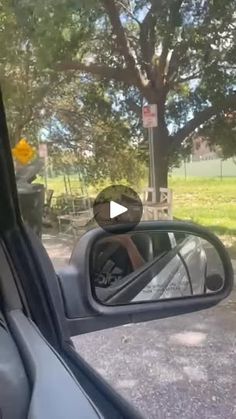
<point x="161" y="163"/>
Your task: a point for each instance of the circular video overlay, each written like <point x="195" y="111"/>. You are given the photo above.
<point x="117" y="206"/>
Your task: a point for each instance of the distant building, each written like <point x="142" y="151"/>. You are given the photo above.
<point x="203" y="151"/>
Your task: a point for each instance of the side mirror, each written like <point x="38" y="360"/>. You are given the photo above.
<point x="158" y="270"/>
<point x="153" y="265"/>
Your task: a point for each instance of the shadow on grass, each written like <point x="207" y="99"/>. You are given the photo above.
<point x="227" y="235"/>
<point x="217" y="229"/>
<point x="222" y="230"/>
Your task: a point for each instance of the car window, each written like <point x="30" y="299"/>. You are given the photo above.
<point x="83" y="116"/>
<point x="179" y="237"/>
<point x="110" y="94"/>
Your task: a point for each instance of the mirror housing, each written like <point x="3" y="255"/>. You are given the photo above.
<point x="84" y="313"/>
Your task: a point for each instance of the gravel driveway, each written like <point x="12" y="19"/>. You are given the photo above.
<point x="181" y="367"/>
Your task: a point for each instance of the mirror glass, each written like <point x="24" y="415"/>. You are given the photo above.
<point x="153" y="265"/>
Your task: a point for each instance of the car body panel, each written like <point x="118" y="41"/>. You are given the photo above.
<point x="173" y="280"/>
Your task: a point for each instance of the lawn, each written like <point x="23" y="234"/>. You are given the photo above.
<point x="207" y="201"/>
<point x="210" y="202"/>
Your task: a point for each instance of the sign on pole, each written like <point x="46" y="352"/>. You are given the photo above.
<point x="23" y="152"/>
<point x="149" y="116"/>
<point x="150" y="122"/>
<point x="43" y="151"/>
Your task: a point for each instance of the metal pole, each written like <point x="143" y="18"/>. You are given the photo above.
<point x="152" y="162"/>
<point x="221" y="169"/>
<point x="46" y="173"/>
<point x="150" y="156"/>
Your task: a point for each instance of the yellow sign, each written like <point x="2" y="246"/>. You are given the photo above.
<point x="23" y="152"/>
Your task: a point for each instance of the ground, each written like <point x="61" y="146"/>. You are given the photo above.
<point x="182" y="367"/>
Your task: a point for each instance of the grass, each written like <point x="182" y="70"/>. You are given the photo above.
<point x="58" y="186"/>
<point x="210" y="202"/>
<point x="207" y="201"/>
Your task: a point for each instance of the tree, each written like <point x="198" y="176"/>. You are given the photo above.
<point x="178" y="54"/>
<point x="222" y="132"/>
<point x="76" y="117"/>
<point x="83" y="124"/>
<point x="24" y="82"/>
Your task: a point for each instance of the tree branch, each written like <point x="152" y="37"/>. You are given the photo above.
<point x="134" y="107"/>
<point x="117" y="73"/>
<point x="171" y="26"/>
<point x="188" y="78"/>
<point x="147" y="37"/>
<point x="119" y="31"/>
<point x="129" y="12"/>
<point x="202" y="117"/>
<point x="123" y="43"/>
<point x="176" y="57"/>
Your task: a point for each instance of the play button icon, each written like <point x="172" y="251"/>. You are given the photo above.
<point x="116" y="209"/>
<point x="117" y="205"/>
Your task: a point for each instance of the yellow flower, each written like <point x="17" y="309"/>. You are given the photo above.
<point x="23" y="152"/>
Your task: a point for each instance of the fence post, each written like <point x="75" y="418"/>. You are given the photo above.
<point x="185" y="169"/>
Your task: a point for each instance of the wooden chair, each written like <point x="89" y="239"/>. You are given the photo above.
<point x="47" y="209"/>
<point x="77" y="218"/>
<point x="166" y="196"/>
<point x="49" y="196"/>
<point x="153" y="210"/>
<point x="147" y="192"/>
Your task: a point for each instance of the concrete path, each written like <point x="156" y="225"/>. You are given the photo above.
<point x="59" y="248"/>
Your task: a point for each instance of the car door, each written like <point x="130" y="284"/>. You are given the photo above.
<point x="49" y="380"/>
<point x="45" y="309"/>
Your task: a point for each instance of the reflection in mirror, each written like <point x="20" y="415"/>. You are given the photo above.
<point x="153" y="265"/>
